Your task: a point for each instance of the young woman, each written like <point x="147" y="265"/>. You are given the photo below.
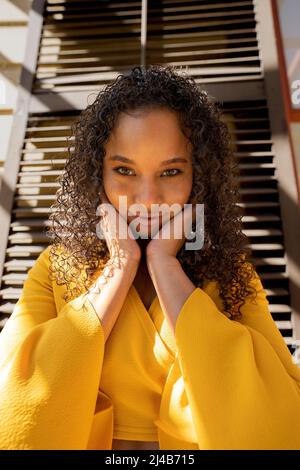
<point x="140" y="343"/>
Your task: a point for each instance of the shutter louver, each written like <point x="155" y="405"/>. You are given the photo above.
<point x="85" y="45"/>
<point x="216" y="40"/>
<point x="80" y="44"/>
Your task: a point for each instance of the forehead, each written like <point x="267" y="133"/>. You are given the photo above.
<point x="154" y="123"/>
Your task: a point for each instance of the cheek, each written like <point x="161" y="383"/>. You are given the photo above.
<point x="188" y="186"/>
<point x="115" y="188"/>
<point x="181" y="190"/>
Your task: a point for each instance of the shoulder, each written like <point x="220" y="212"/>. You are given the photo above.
<point x="40" y="270"/>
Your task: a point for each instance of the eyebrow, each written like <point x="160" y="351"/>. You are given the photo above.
<point x="165" y="162"/>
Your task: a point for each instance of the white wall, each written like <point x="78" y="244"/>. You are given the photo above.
<point x="13" y="32"/>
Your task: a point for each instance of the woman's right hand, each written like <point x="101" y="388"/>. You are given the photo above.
<point x="111" y="224"/>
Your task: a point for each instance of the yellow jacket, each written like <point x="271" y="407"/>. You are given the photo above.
<point x="228" y="384"/>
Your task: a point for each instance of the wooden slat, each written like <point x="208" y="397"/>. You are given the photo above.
<point x="80" y="45"/>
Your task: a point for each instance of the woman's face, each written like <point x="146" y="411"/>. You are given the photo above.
<point x="134" y="164"/>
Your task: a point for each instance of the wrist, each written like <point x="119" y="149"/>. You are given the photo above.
<point x="162" y="259"/>
<point x="124" y="259"/>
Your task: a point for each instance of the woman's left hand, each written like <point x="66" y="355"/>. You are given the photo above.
<point x="165" y="244"/>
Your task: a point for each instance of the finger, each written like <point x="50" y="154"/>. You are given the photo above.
<point x="174" y="227"/>
<point x="188" y="217"/>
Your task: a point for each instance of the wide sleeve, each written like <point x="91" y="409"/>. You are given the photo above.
<point x="241" y="381"/>
<point x="50" y="368"/>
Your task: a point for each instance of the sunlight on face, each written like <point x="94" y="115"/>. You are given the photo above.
<point x="148" y="139"/>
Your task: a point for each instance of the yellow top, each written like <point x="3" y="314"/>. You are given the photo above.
<point x="144" y="357"/>
<point x="215" y="384"/>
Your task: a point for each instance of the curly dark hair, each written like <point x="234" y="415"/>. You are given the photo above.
<point x="225" y="253"/>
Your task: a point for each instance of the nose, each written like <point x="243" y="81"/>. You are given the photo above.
<point x="147" y="195"/>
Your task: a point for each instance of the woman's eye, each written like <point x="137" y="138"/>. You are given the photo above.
<point x="121" y="168"/>
<point x="174" y="169"/>
<point x="123" y="173"/>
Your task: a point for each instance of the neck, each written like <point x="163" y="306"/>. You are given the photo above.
<point x="143" y="242"/>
